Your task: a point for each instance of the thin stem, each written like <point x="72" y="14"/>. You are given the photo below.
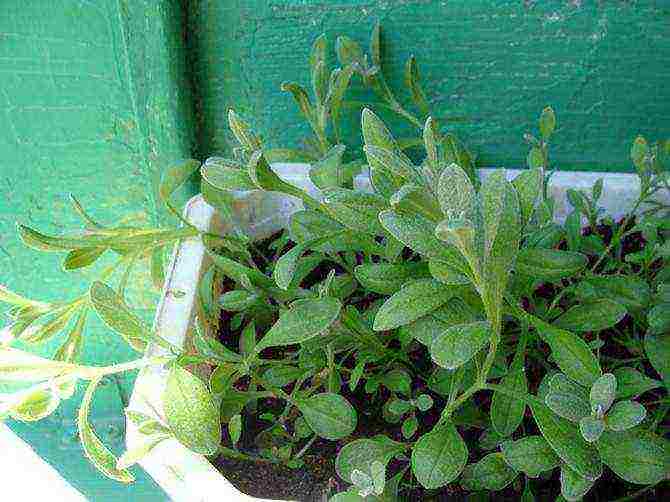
<point x="306" y="447"/>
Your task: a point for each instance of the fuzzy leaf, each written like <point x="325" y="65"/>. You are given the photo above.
<point x="439" y="456"/>
<point x="388" y="278"/>
<point x="490" y="473"/>
<point x="531" y="455"/>
<point x="103" y="459"/>
<point x="458" y="344"/>
<point x="414" y="300"/>
<point x="573" y="486"/>
<point x="528" y="186"/>
<point x="549" y="264"/>
<point x="625" y="415"/>
<point x="455" y="192"/>
<point x="637" y="456"/>
<point x="657" y="347"/>
<point x="191" y="413"/>
<point x="361" y="453"/>
<point x="329" y="415"/>
<point x="306" y="319"/>
<point x="632" y="383"/>
<point x="567" y="442"/>
<point x="506" y="412"/>
<point x="591" y="428"/>
<point x="602" y="393"/>
<point x="592" y="316"/>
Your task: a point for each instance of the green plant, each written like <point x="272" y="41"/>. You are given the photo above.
<point x="458" y="308"/>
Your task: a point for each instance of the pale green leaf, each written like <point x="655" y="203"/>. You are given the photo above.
<point x="414" y="300"/>
<point x="591" y="428"/>
<point x="439" y="456"/>
<point x="591" y="316"/>
<point x="573" y="486"/>
<point x="637" y="456"/>
<point x="632" y="383"/>
<point x="625" y="415"/>
<point x="565" y="439"/>
<point x="531" y="455"/>
<point x="329" y="415"/>
<point x="175" y="176"/>
<point x="388" y="278"/>
<point x="602" y="393"/>
<point x="490" y="473"/>
<point x="549" y="264"/>
<point x="99" y="455"/>
<point x="458" y="344"/>
<point x="306" y="319"/>
<point x="131" y="457"/>
<point x="507" y="412"/>
<point x="455" y="192"/>
<point x="191" y="413"/>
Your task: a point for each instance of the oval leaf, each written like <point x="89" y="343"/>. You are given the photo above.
<point x="306" y="319"/>
<point x="414" y="300"/>
<point x="329" y="415"/>
<point x="191" y="413"/>
<point x="591" y="316"/>
<point x="439" y="457"/>
<point x="636" y="456"/>
<point x="458" y="344"/>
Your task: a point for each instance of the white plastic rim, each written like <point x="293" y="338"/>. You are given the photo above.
<point x="186" y="476"/>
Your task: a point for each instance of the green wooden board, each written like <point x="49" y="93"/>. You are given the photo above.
<point x="95" y="100"/>
<point x="602" y="65"/>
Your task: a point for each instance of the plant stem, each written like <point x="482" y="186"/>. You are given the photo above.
<point x="306" y="447"/>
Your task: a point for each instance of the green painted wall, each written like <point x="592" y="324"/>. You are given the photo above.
<point x="95" y="97"/>
<point x="602" y="65"/>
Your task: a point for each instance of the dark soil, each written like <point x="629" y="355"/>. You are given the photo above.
<point x="316" y="480"/>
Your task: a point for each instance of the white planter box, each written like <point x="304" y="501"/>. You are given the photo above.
<point x="184" y="475"/>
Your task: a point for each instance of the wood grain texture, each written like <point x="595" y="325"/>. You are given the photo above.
<point x="601" y="64"/>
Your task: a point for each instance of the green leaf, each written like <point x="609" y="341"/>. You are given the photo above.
<point x="348" y="51"/>
<point x="572" y="354"/>
<point x="391" y="162"/>
<point x="235" y="428"/>
<point x="103" y="459"/>
<point x="507" y="412"/>
<point x="301" y="98"/>
<point x="328" y="172"/>
<point x="414" y="300"/>
<point x="409" y="427"/>
<point x="632" y="383"/>
<point x="224" y="178"/>
<point x="602" y="393"/>
<point x="175" y="176"/>
<point x="639" y="152"/>
<point x="455" y="192"/>
<point x="211" y="348"/>
<point x="446" y="273"/>
<point x="547" y="122"/>
<point x="35" y="405"/>
<point x="413" y="83"/>
<point x="573" y="486"/>
<point x="80" y="258"/>
<point x="413" y="197"/>
<point x="417" y="233"/>
<point x="243" y="132"/>
<point x="131" y="457"/>
<point x="567" y="442"/>
<point x="439" y="456"/>
<point x="424" y="402"/>
<point x="360" y="453"/>
<point x="458" y="344"/>
<point x="280" y="376"/>
<point x="40" y="333"/>
<point x="531" y="455"/>
<point x="237" y="300"/>
<point x="592" y="316"/>
<point x="398" y="381"/>
<point x="285" y="267"/>
<point x="567" y="399"/>
<point x="191" y="413"/>
<point x="158" y="268"/>
<point x="628" y="290"/>
<point x="432" y="325"/>
<point x="535" y="159"/>
<point x="71" y="348"/>
<point x="625" y="415"/>
<point x="266" y="179"/>
<point x="329" y="415"/>
<point x="591" y="428"/>
<point x="356" y="210"/>
<point x="528" y="186"/>
<point x="21" y="366"/>
<point x="490" y="473"/>
<point x="376" y="133"/>
<point x="117" y="316"/>
<point x="306" y="319"/>
<point x="388" y="278"/>
<point x="657" y="348"/>
<point x="637" y="456"/>
<point x="549" y="264"/>
<point x="430" y="135"/>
